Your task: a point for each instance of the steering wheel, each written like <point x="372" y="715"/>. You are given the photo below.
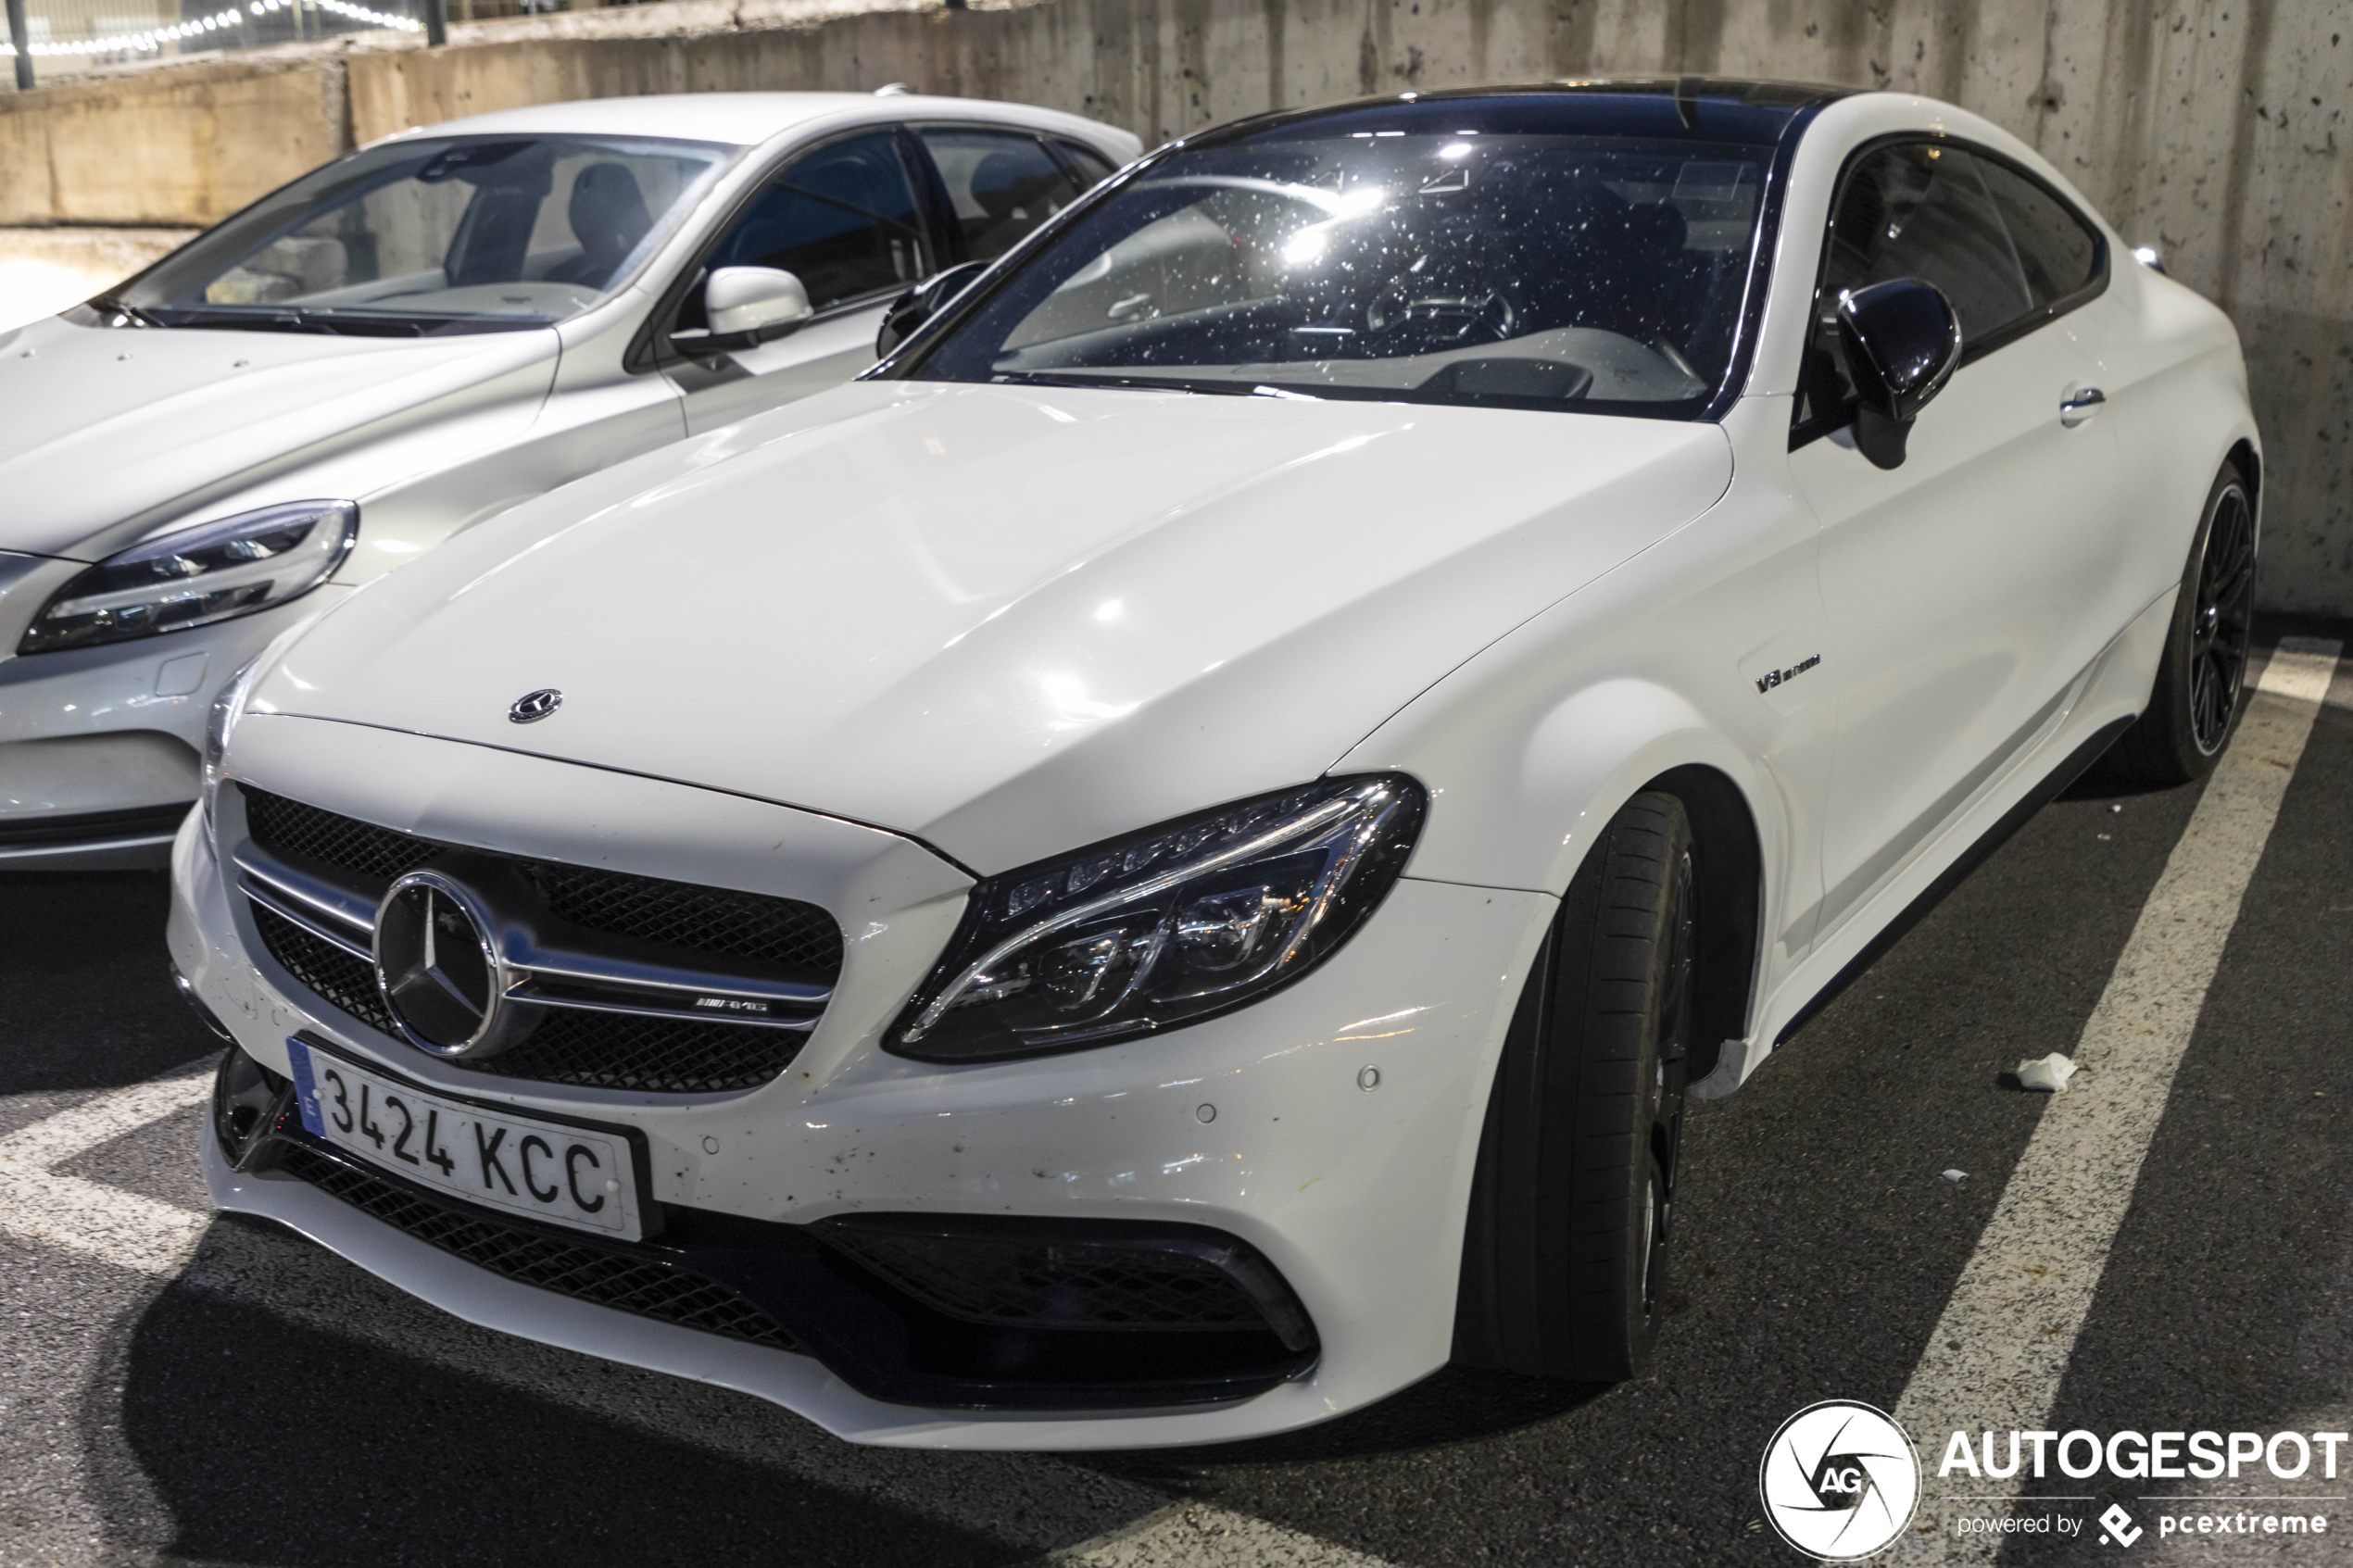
<point x="1479" y="315"/>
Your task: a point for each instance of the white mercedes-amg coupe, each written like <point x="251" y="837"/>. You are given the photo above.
<point x="413" y="338"/>
<point x="1164" y="864"/>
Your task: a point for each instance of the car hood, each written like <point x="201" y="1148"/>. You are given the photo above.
<point x="107" y="428"/>
<point x="1006" y="620"/>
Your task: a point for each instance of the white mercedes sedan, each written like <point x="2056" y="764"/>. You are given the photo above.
<point x="1164" y="864"/>
<point x="415" y="337"/>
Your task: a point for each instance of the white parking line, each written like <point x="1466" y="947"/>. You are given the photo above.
<point x="1996" y="1357"/>
<point x="122" y="1228"/>
<point x="1200" y="1534"/>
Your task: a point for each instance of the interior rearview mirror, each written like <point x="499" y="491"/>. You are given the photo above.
<point x="921" y="303"/>
<point x="1902" y="342"/>
<point x="747" y="305"/>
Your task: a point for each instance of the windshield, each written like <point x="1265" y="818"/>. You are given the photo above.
<point x="1422" y="260"/>
<point x="473" y="234"/>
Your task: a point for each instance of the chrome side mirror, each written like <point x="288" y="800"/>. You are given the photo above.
<point x="1901" y="342"/>
<point x="747" y="305"/>
<point x="921" y="303"/>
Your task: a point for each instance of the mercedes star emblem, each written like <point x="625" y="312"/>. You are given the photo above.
<point x="440" y="969"/>
<point x="532" y="706"/>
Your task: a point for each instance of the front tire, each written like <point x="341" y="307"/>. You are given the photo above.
<point x="2194" y="709"/>
<point x="1572" y="1209"/>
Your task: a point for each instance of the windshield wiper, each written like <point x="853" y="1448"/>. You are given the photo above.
<point x="1218" y="388"/>
<point x="109" y="305"/>
<point x="293" y="319"/>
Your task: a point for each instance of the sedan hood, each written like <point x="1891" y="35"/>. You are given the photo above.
<point x="107" y="428"/>
<point x="1006" y="620"/>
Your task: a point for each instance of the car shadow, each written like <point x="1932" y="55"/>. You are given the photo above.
<point x="224" y="1431"/>
<point x="1453" y="1405"/>
<point x="86" y="1000"/>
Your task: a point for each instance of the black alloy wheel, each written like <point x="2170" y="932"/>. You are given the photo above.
<point x="2194" y="708"/>
<point x="2220" y="622"/>
<point x="1565" y="1255"/>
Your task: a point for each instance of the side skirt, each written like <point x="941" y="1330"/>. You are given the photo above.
<point x="2054" y="783"/>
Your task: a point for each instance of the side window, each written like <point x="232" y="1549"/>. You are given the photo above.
<point x="1915" y="209"/>
<point x="1090" y="165"/>
<point x="2060" y="250"/>
<point x="1001" y="184"/>
<point x="842" y="219"/>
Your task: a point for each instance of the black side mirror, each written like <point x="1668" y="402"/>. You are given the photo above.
<point x="1901" y="342"/>
<point x="921" y="303"/>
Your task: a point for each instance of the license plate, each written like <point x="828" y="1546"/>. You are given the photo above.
<point x="558" y="1172"/>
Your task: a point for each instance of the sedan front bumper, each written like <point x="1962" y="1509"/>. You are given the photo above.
<point x="100" y="747"/>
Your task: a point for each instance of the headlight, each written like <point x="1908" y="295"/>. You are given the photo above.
<point x="1169" y="927"/>
<point x="198" y="575"/>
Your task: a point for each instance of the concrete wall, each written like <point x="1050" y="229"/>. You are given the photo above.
<point x="2213" y="127"/>
<point x="188" y="144"/>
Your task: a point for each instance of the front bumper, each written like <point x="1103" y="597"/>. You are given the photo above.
<point x="99" y="748"/>
<point x="1355" y="1197"/>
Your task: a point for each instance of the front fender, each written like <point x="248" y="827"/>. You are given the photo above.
<point x="1530" y="749"/>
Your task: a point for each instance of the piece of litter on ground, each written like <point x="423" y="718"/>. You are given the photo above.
<point x="1955" y="1175"/>
<point x="2051" y="1073"/>
<point x="2114" y="808"/>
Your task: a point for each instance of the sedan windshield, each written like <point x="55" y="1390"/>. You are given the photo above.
<point x="1402" y="254"/>
<point x="475" y="233"/>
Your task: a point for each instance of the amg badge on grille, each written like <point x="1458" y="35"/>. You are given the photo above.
<point x="532" y="706"/>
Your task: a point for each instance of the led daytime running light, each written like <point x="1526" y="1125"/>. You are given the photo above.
<point x="1165" y="928"/>
<point x="1191" y="871"/>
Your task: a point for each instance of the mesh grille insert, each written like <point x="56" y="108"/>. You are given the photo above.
<point x="643" y="1286"/>
<point x="610" y="1050"/>
<point x="1035" y="1285"/>
<point x="288" y="827"/>
<point x="348" y="982"/>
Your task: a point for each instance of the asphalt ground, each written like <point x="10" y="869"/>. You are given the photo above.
<point x="264" y="1402"/>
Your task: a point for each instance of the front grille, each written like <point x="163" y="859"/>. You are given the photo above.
<point x="595" y="1050"/>
<point x="590" y="1050"/>
<point x="649" y="1289"/>
<point x="1031" y="1283"/>
<point x="758" y="927"/>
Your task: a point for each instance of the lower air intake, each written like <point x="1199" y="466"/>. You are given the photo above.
<point x="608" y="1279"/>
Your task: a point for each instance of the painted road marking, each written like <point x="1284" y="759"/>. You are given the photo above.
<point x="122" y="1228"/>
<point x="1200" y="1534"/>
<point x="1998" y="1352"/>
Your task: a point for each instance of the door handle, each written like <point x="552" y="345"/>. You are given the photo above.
<point x="2081" y="404"/>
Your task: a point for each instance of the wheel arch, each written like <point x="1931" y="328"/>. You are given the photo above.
<point x="1730" y="869"/>
<point x="2249" y="463"/>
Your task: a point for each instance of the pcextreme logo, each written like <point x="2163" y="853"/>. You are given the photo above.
<point x="1839" y="1481"/>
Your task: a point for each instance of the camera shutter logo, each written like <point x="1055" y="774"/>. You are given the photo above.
<point x="1839" y="1481"/>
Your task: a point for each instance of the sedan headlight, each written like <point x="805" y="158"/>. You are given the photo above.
<point x="198" y="575"/>
<point x="1168" y="928"/>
